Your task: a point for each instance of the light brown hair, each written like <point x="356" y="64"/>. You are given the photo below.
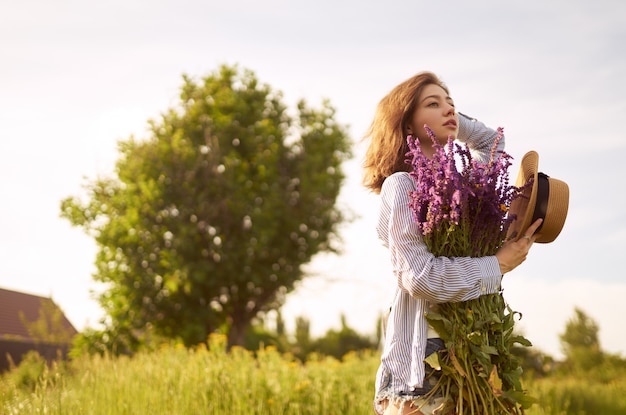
<point x="386" y="153"/>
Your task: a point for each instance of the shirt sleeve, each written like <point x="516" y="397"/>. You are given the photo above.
<point x="478" y="137"/>
<point x="418" y="272"/>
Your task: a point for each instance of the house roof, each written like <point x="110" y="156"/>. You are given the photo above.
<point x="15" y="307"/>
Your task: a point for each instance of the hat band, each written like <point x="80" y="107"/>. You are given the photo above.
<point x="543" y="194"/>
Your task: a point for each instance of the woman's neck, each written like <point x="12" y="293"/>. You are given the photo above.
<point x="428" y="151"/>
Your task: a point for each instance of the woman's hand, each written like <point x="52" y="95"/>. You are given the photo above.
<point x="513" y="253"/>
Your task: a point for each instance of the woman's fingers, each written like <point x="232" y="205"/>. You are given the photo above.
<point x="530" y="232"/>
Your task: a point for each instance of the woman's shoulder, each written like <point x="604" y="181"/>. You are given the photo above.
<point x="399" y="180"/>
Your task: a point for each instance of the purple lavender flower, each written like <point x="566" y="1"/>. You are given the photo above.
<point x="466" y="208"/>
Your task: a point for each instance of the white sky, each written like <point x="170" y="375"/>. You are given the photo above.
<point x="77" y="76"/>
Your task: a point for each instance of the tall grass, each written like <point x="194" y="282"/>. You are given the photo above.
<point x="175" y="380"/>
<point x="578" y="396"/>
<point x="210" y="380"/>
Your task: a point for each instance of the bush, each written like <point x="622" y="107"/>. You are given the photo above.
<point x="29" y="372"/>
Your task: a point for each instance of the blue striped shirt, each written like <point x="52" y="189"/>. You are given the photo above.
<point x="423" y="279"/>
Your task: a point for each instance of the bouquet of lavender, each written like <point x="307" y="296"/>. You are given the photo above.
<point x="463" y="213"/>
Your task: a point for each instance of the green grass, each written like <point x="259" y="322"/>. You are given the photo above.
<point x="209" y="380"/>
<point x="578" y="396"/>
<point x="175" y="380"/>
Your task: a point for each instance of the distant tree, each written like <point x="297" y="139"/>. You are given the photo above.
<point x="580" y="342"/>
<point x="49" y="327"/>
<point x="208" y="221"/>
<point x="580" y="331"/>
<point x="281" y="331"/>
<point x="535" y="363"/>
<point x="381" y="324"/>
<point x="302" y="346"/>
<point x="258" y="337"/>
<point x="338" y="343"/>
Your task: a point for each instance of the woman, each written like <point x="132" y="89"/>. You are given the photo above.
<point x="423" y="280"/>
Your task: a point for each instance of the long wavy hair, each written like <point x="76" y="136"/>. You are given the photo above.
<point x="386" y="153"/>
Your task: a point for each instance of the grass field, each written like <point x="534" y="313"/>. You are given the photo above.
<point x="208" y="380"/>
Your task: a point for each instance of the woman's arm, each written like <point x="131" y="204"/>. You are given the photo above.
<point x="478" y="137"/>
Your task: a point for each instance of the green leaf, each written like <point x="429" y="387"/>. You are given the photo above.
<point x="489" y="350"/>
<point x="475" y="337"/>
<point x="521" y="340"/>
<point x="440" y="325"/>
<point x="521" y="398"/>
<point x="433" y="361"/>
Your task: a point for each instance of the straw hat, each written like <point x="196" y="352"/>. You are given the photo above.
<point x="547" y="198"/>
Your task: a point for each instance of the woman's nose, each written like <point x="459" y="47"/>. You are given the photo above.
<point x="449" y="109"/>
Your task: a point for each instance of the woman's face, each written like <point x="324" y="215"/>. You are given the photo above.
<point x="434" y="108"/>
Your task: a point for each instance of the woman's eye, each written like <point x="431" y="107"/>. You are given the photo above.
<point x="433" y="104"/>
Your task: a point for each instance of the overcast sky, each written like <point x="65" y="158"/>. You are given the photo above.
<point x="78" y="76"/>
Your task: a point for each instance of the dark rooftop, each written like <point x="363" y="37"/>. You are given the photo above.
<point x="16" y="306"/>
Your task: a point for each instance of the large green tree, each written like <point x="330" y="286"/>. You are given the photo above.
<point x="208" y="221"/>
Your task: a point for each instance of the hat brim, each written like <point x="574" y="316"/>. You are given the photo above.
<point x="556" y="211"/>
<point x="529" y="170"/>
<point x="542" y="197"/>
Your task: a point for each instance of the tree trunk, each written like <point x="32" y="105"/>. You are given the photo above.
<point x="237" y="332"/>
